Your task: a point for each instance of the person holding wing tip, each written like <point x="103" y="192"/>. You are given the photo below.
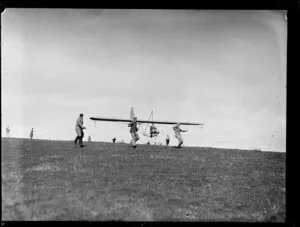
<point x="79" y="130"/>
<point x="177" y="131"/>
<point x="133" y="131"/>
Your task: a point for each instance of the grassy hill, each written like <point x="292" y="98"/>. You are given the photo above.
<point x="54" y="180"/>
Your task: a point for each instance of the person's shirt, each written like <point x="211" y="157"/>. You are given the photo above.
<point x="79" y="122"/>
<point x="133" y="126"/>
<point x="177" y="129"/>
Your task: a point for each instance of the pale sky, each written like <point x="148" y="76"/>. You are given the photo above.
<point x="224" y="68"/>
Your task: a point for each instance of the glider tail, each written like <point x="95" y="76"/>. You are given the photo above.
<point x="131" y="113"/>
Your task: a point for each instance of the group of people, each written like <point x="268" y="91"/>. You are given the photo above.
<point x="167" y="141"/>
<point x="154" y="132"/>
<point x="79" y="127"/>
<point x="8" y="132"/>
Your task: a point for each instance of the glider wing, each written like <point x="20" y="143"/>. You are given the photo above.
<point x="143" y="121"/>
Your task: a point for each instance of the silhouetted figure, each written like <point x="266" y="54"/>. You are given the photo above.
<point x="114" y="140"/>
<point x="7" y="131"/>
<point x="89" y="139"/>
<point x="79" y="130"/>
<point x="148" y="142"/>
<point x="167" y="140"/>
<point x="31" y="133"/>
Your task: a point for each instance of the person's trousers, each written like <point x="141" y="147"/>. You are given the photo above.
<point x="79" y="137"/>
<point x="179" y="137"/>
<point x="135" y="137"/>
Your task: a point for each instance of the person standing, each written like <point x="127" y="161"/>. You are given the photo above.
<point x="167" y="140"/>
<point x="133" y="131"/>
<point x="114" y="140"/>
<point x="89" y="139"/>
<point x="79" y="130"/>
<point x="177" y="131"/>
<point x="7" y="131"/>
<point x="31" y="133"/>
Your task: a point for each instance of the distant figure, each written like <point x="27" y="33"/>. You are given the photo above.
<point x="177" y="131"/>
<point x="7" y="131"/>
<point x="133" y="131"/>
<point x="89" y="139"/>
<point x="167" y="140"/>
<point x="153" y="131"/>
<point x="148" y="142"/>
<point x="79" y="130"/>
<point x="31" y="133"/>
<point x="114" y="140"/>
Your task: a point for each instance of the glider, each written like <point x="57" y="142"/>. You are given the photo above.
<point x="149" y="121"/>
<point x="142" y="121"/>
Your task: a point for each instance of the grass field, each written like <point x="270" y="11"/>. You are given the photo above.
<point x="53" y="180"/>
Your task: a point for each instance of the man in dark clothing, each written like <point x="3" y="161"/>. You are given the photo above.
<point x="133" y="131"/>
<point x="114" y="140"/>
<point x="31" y="134"/>
<point x="167" y="140"/>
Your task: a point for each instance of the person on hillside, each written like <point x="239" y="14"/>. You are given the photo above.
<point x="7" y="131"/>
<point x="31" y="133"/>
<point x="167" y="140"/>
<point x="133" y="131"/>
<point x="89" y="139"/>
<point x="114" y="139"/>
<point x="153" y="131"/>
<point x="177" y="131"/>
<point x="79" y="130"/>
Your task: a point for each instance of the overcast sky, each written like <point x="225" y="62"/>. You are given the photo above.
<point x="224" y="68"/>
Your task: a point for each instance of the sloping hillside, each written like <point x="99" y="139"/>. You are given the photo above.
<point x="54" y="180"/>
